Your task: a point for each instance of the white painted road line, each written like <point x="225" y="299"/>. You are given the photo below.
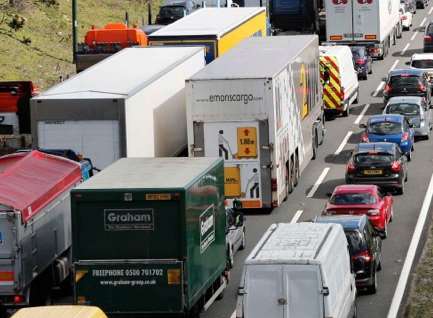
<point x="296" y="216"/>
<point x="423" y="22"/>
<point x="415" y="34"/>
<point x="378" y="89"/>
<point x="430" y="11"/>
<point x="318" y="182"/>
<point x="396" y="61"/>
<point x="343" y="143"/>
<point x="405" y="49"/>
<point x="233" y="314"/>
<point x="405" y="272"/>
<point x="358" y="120"/>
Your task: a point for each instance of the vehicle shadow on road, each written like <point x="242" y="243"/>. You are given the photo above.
<point x="375" y="109"/>
<point x="325" y="188"/>
<point x="340" y="159"/>
<point x="355" y="138"/>
<point x="408" y="53"/>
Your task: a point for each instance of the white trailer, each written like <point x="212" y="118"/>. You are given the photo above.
<point x="260" y="108"/>
<point x="373" y="23"/>
<point x="131" y="104"/>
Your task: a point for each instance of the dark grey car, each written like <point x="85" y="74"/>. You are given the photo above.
<point x="410" y="4"/>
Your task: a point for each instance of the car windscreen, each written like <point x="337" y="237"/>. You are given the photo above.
<point x="422" y="64"/>
<point x="384" y="128"/>
<point x="408" y="81"/>
<point x="352" y="198"/>
<point x="358" y="52"/>
<point x="404" y="109"/>
<point x="430" y="29"/>
<point x="174" y="11"/>
<point x="373" y="158"/>
<point x="356" y="242"/>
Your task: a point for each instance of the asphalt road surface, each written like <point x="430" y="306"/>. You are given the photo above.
<point x="305" y="203"/>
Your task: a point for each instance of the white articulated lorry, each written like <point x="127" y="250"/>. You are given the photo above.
<point x="259" y="107"/>
<point x="372" y="23"/>
<point x="131" y="104"/>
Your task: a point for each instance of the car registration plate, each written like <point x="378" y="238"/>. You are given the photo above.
<point x="372" y="172"/>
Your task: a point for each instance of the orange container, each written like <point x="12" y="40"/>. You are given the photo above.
<point x="116" y="33"/>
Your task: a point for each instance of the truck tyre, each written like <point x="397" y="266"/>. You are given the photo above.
<point x="315" y="144"/>
<point x="289" y="171"/>
<point x="296" y="174"/>
<point x="230" y="260"/>
<point x="372" y="289"/>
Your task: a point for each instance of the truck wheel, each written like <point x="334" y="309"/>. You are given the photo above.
<point x="296" y="174"/>
<point x="289" y="178"/>
<point x="230" y="260"/>
<point x="315" y="144"/>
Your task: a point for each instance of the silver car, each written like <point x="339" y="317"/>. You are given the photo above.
<point x="415" y="109"/>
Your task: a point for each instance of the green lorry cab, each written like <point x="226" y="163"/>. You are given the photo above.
<point x="149" y="237"/>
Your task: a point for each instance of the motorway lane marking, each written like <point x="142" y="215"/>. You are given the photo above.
<point x="405" y="49"/>
<point x="318" y="182"/>
<point x="405" y="272"/>
<point x="343" y="143"/>
<point x="233" y="314"/>
<point x="378" y="89"/>
<point x="415" y="34"/>
<point x="430" y="11"/>
<point x="423" y="22"/>
<point x="397" y="60"/>
<point x="296" y="216"/>
<point x="358" y="120"/>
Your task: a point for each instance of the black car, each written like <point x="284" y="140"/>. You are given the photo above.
<point x="365" y="248"/>
<point x="406" y="82"/>
<point x="428" y="38"/>
<point x="379" y="163"/>
<point x="362" y="61"/>
<point x="421" y="4"/>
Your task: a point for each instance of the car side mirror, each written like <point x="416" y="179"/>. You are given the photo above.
<point x="362" y="126"/>
<point x="407" y="63"/>
<point x="329" y="194"/>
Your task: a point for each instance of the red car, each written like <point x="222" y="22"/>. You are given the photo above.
<point x="354" y="199"/>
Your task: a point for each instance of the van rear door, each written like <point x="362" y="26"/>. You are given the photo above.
<point x="302" y="291"/>
<point x="264" y="291"/>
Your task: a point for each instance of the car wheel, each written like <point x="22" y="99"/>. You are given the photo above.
<point x="230" y="260"/>
<point x="385" y="231"/>
<point x="244" y="241"/>
<point x="400" y="190"/>
<point x="409" y="156"/>
<point x="346" y="112"/>
<point x="372" y="289"/>
<point x="379" y="265"/>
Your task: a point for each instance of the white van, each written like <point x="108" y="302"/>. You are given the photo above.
<point x="339" y="79"/>
<point x="298" y="270"/>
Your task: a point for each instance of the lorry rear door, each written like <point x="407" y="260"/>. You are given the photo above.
<point x="264" y="292"/>
<point x="302" y="291"/>
<point x="339" y="22"/>
<point x="365" y="20"/>
<point x="237" y="143"/>
<point x="8" y="245"/>
<point x="94" y="139"/>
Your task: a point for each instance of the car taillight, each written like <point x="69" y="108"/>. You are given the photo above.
<point x="422" y="87"/>
<point x="364" y="255"/>
<point x="18" y="299"/>
<point x="373" y="212"/>
<point x="274" y="184"/>
<point x="396" y="166"/>
<point x="387" y="89"/>
<point x="360" y="61"/>
<point x="427" y="38"/>
<point x="403" y="17"/>
<point x="364" y="137"/>
<point x="350" y="167"/>
<point x="405" y="136"/>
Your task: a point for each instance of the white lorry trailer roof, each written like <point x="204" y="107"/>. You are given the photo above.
<point x="209" y="21"/>
<point x="266" y="57"/>
<point x="299" y="243"/>
<point x="122" y="74"/>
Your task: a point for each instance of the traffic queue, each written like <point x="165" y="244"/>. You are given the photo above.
<point x="157" y="235"/>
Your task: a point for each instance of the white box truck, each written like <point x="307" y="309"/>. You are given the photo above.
<point x="131" y="104"/>
<point x="373" y="23"/>
<point x="298" y="270"/>
<point x="259" y="107"/>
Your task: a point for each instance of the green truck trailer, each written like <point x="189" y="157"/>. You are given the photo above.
<point x="149" y="237"/>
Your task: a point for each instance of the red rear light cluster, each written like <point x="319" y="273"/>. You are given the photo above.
<point x="428" y="38"/>
<point x="364" y="255"/>
<point x="274" y="184"/>
<point x="373" y="212"/>
<point x="405" y="136"/>
<point x="351" y="167"/>
<point x="360" y="61"/>
<point x="403" y="17"/>
<point x="18" y="299"/>
<point x="387" y="89"/>
<point x="422" y="87"/>
<point x="364" y="137"/>
<point x="396" y="166"/>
